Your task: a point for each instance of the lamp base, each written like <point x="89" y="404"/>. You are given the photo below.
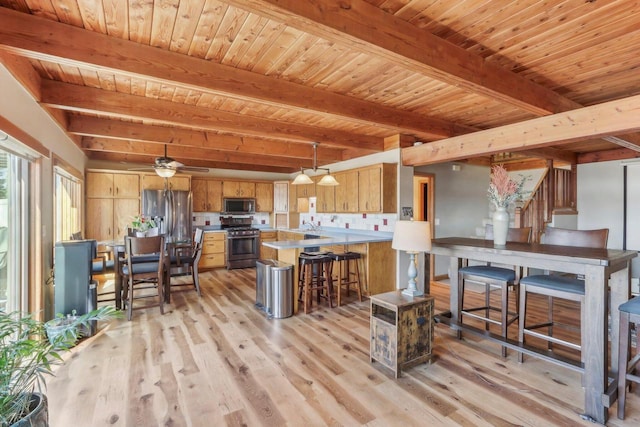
<point x="412" y="292"/>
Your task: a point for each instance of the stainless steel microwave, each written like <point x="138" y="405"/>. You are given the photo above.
<point x="239" y="206"/>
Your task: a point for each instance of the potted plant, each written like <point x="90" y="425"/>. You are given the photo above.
<point x="27" y="355"/>
<point x="144" y="226"/>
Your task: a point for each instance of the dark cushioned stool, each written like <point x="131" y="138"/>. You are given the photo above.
<point x="629" y="313"/>
<point x="347" y="276"/>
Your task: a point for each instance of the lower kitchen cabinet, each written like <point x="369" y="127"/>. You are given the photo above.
<point x="214" y="248"/>
<point x="266" y="252"/>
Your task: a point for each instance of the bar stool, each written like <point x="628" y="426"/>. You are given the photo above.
<point x="629" y="313"/>
<point x="314" y="274"/>
<point x="346" y="276"/>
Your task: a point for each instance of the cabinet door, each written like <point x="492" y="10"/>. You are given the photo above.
<point x="123" y="212"/>
<point x="325" y="197"/>
<point x="264" y="197"/>
<point x="347" y="191"/>
<point x="99" y="219"/>
<point x="126" y="185"/>
<point x="199" y="194"/>
<point x="369" y="190"/>
<point x="293" y="198"/>
<point x="99" y="184"/>
<point x="214" y="195"/>
<point x="280" y="196"/>
<point x="238" y="189"/>
<point x="151" y="182"/>
<point x="180" y="183"/>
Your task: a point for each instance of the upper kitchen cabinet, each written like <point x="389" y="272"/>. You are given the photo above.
<point x="347" y="191"/>
<point x="281" y="196"/>
<point x="264" y="197"/>
<point x="206" y="194"/>
<point x="377" y="188"/>
<point x="325" y="196"/>
<point x="300" y="192"/>
<point x="155" y="182"/>
<point x="107" y="184"/>
<point x="238" y="189"/>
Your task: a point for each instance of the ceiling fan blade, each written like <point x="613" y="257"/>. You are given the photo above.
<point x="146" y="168"/>
<point x="193" y="169"/>
<point x="174" y="164"/>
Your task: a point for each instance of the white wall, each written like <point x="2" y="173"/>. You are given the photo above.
<point x="17" y="106"/>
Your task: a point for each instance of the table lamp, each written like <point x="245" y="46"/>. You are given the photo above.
<point x="412" y="237"/>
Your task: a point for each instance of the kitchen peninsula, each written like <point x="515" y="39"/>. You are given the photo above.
<point x="378" y="268"/>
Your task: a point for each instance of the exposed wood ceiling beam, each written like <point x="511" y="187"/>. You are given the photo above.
<point x="91" y="100"/>
<point x="138" y="159"/>
<point x="607" y="119"/>
<point x="48" y="40"/>
<point x="190" y="153"/>
<point x="376" y="32"/>
<point x="369" y="29"/>
<point x="608" y="155"/>
<point x="115" y="129"/>
<point x="552" y="154"/>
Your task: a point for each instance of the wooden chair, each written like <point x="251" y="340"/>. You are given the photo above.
<point x="141" y="276"/>
<point x="557" y="286"/>
<point x="314" y="274"/>
<point x="493" y="276"/>
<point x="629" y="313"/>
<point x="189" y="257"/>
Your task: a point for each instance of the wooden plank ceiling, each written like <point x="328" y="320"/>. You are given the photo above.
<point x="252" y="84"/>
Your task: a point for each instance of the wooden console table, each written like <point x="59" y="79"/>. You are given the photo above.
<point x="599" y="267"/>
<point x="401" y="330"/>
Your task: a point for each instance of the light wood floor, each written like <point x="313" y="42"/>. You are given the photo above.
<point x="217" y="361"/>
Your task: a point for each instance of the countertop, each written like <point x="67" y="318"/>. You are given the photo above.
<point x="331" y="236"/>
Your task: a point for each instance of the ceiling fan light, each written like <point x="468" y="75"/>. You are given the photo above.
<point x="328" y="179"/>
<point x="165" y="172"/>
<point x="302" y="179"/>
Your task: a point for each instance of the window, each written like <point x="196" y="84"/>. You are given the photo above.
<point x="14" y="231"/>
<point x="68" y="204"/>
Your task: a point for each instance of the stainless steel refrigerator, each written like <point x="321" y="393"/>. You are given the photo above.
<point x="172" y="212"/>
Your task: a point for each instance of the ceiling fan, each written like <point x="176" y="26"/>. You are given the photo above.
<point x="166" y="167"/>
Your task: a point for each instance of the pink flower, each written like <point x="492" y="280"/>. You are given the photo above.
<point x="503" y="189"/>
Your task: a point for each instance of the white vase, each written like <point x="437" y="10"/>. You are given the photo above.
<point x="500" y="226"/>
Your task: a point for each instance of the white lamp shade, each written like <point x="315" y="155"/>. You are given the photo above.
<point x="412" y="236"/>
<point x="165" y="172"/>
<point x="302" y="179"/>
<point x="328" y="180"/>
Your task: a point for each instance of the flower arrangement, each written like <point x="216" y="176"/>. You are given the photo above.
<point x="503" y="189"/>
<point x="141" y="223"/>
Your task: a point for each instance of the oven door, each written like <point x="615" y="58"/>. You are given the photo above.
<point x="242" y="247"/>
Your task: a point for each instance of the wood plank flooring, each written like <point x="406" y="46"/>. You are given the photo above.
<point x="217" y="361"/>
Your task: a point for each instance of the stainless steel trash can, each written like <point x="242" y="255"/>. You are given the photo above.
<point x="262" y="277"/>
<point x="280" y="290"/>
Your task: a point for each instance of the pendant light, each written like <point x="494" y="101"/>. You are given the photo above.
<point x="303" y="178"/>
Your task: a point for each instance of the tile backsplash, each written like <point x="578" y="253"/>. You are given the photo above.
<point x="360" y="221"/>
<point x="213" y="218"/>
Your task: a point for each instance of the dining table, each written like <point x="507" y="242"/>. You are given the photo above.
<point x="606" y="274"/>
<point x="175" y="250"/>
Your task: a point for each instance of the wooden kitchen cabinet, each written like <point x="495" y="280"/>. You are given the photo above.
<point x="281" y="196"/>
<point x="266" y="252"/>
<point x="113" y="199"/>
<point x="214" y="250"/>
<point x="264" y="197"/>
<point x="377" y="188"/>
<point x="155" y="182"/>
<point x="206" y="195"/>
<point x="238" y="189"/>
<point x="401" y="330"/>
<point x="347" y="191"/>
<point x="108" y="184"/>
<point x="325" y="196"/>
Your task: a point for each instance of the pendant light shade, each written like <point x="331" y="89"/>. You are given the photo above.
<point x="328" y="180"/>
<point x="303" y="178"/>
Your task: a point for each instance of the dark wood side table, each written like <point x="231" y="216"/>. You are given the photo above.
<point x="401" y="330"/>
